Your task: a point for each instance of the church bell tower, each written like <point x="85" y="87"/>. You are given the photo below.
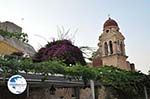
<point x="111" y="45"/>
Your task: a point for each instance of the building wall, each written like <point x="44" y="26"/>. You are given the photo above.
<point x="10" y="27"/>
<point x="43" y="93"/>
<point x="61" y="93"/>
<point x="6" y="49"/>
<point x="123" y="63"/>
<point x="117" y="61"/>
<point x="85" y="93"/>
<point x="109" y="60"/>
<point x="10" y="45"/>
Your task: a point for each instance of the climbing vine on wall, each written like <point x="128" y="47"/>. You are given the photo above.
<point x="121" y="80"/>
<point x="20" y="36"/>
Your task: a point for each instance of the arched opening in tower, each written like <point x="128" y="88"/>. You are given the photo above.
<point x="106" y="48"/>
<point x="121" y="48"/>
<point x="111" y="47"/>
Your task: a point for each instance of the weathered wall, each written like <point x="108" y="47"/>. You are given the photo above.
<point x="6" y="49"/>
<point x="63" y="93"/>
<point x="67" y="93"/>
<point x="10" y="27"/>
<point x="8" y="46"/>
<point x="44" y="93"/>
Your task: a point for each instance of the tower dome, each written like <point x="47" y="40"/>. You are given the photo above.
<point x="110" y="22"/>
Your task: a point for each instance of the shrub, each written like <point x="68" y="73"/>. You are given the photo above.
<point x="62" y="50"/>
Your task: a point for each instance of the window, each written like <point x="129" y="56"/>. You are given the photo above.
<point x="106" y="48"/>
<point x="107" y="31"/>
<point x="121" y="48"/>
<point x="111" y="47"/>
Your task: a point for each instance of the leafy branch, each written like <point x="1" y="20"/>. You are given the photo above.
<point x="20" y="36"/>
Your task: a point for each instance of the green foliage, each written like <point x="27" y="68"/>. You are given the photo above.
<point x="125" y="82"/>
<point x="20" y="36"/>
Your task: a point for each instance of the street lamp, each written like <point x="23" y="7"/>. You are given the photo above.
<point x="52" y="90"/>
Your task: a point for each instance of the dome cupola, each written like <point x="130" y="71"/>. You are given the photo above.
<point x="110" y="22"/>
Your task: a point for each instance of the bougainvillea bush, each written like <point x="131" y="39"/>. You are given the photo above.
<point x="62" y="50"/>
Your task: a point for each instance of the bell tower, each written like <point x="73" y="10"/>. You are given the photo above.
<point x="111" y="45"/>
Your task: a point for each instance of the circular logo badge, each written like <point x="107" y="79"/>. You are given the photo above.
<point x="17" y="84"/>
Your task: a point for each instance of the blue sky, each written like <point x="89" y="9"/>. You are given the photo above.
<point x="41" y="18"/>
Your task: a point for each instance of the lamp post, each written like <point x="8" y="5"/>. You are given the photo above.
<point x="52" y="90"/>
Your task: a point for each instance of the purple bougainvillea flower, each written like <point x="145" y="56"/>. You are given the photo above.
<point x="61" y="50"/>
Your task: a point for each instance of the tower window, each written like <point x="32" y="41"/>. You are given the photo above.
<point x="117" y="30"/>
<point x="121" y="48"/>
<point x="111" y="47"/>
<point x="107" y="31"/>
<point x="106" y="48"/>
<point x="118" y="42"/>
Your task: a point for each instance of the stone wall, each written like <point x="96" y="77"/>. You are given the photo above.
<point x="85" y="93"/>
<point x="69" y="93"/>
<point x="8" y="46"/>
<point x="64" y="93"/>
<point x="10" y="27"/>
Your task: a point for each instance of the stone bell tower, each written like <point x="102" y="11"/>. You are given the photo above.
<point x="111" y="45"/>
